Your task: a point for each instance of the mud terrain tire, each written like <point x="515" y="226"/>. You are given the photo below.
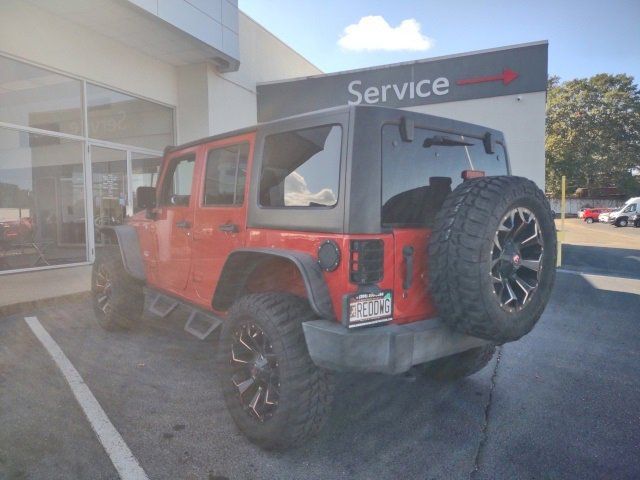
<point x="121" y="303"/>
<point x="459" y="365"/>
<point x="303" y="393"/>
<point x="483" y="252"/>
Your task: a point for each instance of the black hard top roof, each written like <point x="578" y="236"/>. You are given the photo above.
<point x="338" y="109"/>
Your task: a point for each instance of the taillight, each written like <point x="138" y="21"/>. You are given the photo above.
<point x="366" y="261"/>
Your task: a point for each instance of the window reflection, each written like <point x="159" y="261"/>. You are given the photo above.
<point x="35" y="97"/>
<point x="301" y="168"/>
<point x="124" y="119"/>
<point x="42" y="215"/>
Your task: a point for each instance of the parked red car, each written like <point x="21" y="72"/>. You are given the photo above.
<point x="590" y="215"/>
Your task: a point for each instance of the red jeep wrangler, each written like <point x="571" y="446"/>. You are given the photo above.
<point x="355" y="238"/>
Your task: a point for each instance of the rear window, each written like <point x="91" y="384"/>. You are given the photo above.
<point x="417" y="176"/>
<point x="301" y="168"/>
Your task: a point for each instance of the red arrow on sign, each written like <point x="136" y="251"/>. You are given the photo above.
<point x="507" y="76"/>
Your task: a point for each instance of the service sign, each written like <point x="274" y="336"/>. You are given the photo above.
<point x="492" y="73"/>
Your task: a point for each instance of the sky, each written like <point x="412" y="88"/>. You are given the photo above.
<point x="585" y="37"/>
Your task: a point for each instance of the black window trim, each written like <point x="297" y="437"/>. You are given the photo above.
<point x="340" y="167"/>
<point x="203" y="204"/>
<point x="164" y="202"/>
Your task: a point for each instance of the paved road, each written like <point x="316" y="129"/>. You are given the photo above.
<point x="597" y="234"/>
<point x="564" y="402"/>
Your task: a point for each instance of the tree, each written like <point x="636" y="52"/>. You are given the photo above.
<point x="593" y="133"/>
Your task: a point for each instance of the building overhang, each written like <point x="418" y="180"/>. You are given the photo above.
<point x="148" y="32"/>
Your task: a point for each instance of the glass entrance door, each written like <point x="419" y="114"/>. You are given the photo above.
<point x="110" y="188"/>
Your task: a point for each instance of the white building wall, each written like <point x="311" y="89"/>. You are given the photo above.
<point x="232" y="96"/>
<point x="520" y="117"/>
<point x="34" y="35"/>
<point x="263" y="58"/>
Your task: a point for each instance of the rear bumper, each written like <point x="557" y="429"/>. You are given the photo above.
<point x="387" y="349"/>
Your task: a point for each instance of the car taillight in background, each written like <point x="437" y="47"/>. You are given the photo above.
<point x="366" y="261"/>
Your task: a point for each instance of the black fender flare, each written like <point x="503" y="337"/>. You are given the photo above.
<point x="242" y="262"/>
<point x="129" y="245"/>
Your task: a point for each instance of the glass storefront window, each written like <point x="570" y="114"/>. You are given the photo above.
<point x="35" y="97"/>
<point x="42" y="214"/>
<point x="109" y="173"/>
<point x="121" y="118"/>
<point x="42" y="177"/>
<point x="145" y="170"/>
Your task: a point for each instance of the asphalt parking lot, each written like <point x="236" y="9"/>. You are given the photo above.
<point x="564" y="402"/>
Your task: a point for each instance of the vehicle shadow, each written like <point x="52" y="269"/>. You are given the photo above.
<point x="397" y="427"/>
<point x="623" y="262"/>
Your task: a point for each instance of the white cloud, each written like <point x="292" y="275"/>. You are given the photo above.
<point x="297" y="193"/>
<point x="374" y="33"/>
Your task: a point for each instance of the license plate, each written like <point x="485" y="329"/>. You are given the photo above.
<point x="370" y="308"/>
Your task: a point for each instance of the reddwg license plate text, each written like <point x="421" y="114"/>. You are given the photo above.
<point x="368" y="308"/>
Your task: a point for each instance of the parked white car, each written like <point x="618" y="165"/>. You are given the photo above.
<point x="604" y="217"/>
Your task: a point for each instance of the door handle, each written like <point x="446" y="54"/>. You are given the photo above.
<point x="183" y="224"/>
<point x="229" y="228"/>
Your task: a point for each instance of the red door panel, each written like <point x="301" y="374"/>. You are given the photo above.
<point x="220" y="211"/>
<point x="174" y="221"/>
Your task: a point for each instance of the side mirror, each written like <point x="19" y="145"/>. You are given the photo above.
<point x="146" y="198"/>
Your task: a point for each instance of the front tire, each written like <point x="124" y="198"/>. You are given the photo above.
<point x="459" y="365"/>
<point x="118" y="299"/>
<point x="492" y="258"/>
<point x="621" y="223"/>
<point x="589" y="220"/>
<point x="274" y="392"/>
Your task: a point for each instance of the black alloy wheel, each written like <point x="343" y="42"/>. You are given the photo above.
<point x="254" y="371"/>
<point x="274" y="392"/>
<point x="492" y="257"/>
<point x="516" y="259"/>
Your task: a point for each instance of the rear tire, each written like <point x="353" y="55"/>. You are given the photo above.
<point x="274" y="392"/>
<point x="492" y="258"/>
<point x="459" y="365"/>
<point x="589" y="220"/>
<point x="118" y="299"/>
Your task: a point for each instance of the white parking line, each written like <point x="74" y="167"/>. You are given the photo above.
<point x="123" y="460"/>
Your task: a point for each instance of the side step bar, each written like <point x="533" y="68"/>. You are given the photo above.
<point x="200" y="323"/>
<point x="162" y="305"/>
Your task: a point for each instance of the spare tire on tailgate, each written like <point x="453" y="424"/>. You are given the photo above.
<point x="492" y="257"/>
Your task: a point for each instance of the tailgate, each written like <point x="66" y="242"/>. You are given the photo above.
<point x="411" y="300"/>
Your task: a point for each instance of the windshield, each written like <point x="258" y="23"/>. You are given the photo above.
<point x="418" y="175"/>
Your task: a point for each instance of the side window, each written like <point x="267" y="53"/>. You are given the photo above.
<point x="301" y="168"/>
<point x="631" y="208"/>
<point x="176" y="188"/>
<point x="226" y="175"/>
